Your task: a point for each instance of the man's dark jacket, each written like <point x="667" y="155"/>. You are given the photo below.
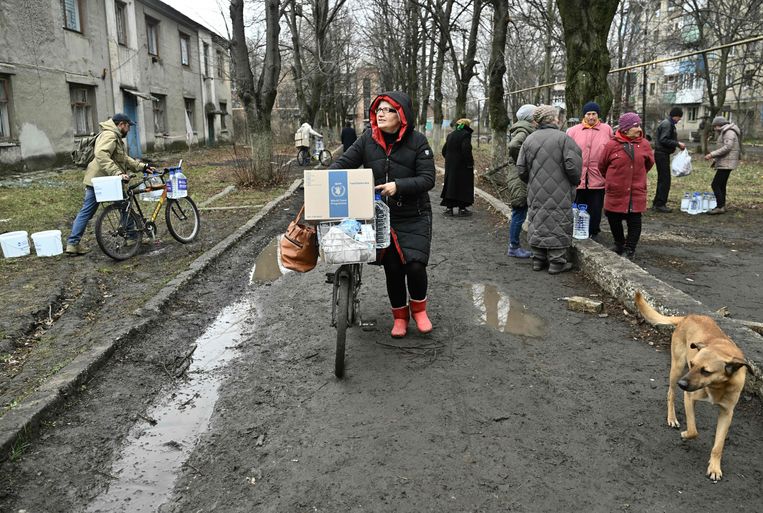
<point x="666" y="140"/>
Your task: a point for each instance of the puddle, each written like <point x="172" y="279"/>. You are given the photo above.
<point x="499" y="312"/>
<point x="147" y="467"/>
<point x="267" y="267"/>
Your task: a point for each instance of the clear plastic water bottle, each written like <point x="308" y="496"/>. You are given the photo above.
<point x="575" y="214"/>
<point x="685" y="202"/>
<point x="695" y="205"/>
<point x="171" y="184"/>
<point x="713" y="201"/>
<point x="182" y="184"/>
<point x="381" y="218"/>
<point x="580" y="228"/>
<point x="705" y="202"/>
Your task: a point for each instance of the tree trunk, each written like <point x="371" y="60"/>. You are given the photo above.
<point x="586" y="26"/>
<point x="499" y="118"/>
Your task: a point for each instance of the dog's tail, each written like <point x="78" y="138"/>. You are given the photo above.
<point x="651" y="315"/>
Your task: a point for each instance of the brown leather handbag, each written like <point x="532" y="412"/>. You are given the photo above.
<point x="299" y="246"/>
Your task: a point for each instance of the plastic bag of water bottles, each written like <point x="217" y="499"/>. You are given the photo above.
<point x="681" y="165"/>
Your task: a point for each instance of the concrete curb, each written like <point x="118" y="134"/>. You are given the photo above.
<point x="621" y="278"/>
<point x="20" y="423"/>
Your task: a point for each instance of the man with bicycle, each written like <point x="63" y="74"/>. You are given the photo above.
<point x="302" y="137"/>
<point x="110" y="159"/>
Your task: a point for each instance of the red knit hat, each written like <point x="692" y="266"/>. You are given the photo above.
<point x="628" y="121"/>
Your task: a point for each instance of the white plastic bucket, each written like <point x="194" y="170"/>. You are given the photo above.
<point x="108" y="188"/>
<point x="14" y="244"/>
<point x="48" y="243"/>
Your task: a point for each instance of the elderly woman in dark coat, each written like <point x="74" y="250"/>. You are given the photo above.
<point x="458" y="188"/>
<point x="404" y="172"/>
<point x="550" y="162"/>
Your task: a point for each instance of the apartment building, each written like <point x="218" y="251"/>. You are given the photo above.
<point x="68" y="66"/>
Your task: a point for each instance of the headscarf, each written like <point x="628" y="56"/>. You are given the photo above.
<point x="461" y="123"/>
<point x="525" y="112"/>
<point x="545" y="114"/>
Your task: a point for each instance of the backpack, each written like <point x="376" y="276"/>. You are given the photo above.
<point x="84" y="150"/>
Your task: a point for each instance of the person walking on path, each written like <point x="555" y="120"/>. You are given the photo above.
<point x="110" y="158"/>
<point x="302" y="137"/>
<point x="666" y="142"/>
<point x="725" y="159"/>
<point x="550" y="163"/>
<point x="404" y="172"/>
<point x="624" y="163"/>
<point x="591" y="135"/>
<point x="516" y="187"/>
<point x="348" y="136"/>
<point x="458" y="189"/>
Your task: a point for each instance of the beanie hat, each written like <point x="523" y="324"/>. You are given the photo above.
<point x="719" y="121"/>
<point x="591" y="107"/>
<point x="544" y="114"/>
<point x="525" y="112"/>
<point x="628" y="121"/>
<point x="676" y="111"/>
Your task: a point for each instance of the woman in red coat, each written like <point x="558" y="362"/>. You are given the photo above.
<point x="624" y="163"/>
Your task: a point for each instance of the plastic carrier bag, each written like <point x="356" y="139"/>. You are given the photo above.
<point x="681" y="165"/>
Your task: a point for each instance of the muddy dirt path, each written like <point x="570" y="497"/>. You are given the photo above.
<point x="513" y="403"/>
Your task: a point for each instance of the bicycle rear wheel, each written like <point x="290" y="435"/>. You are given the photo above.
<point x="118" y="233"/>
<point x="343" y="304"/>
<point x="183" y="219"/>
<point x="325" y="157"/>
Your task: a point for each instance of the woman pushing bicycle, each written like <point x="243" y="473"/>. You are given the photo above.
<point x="404" y="172"/>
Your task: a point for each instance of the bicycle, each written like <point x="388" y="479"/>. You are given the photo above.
<point x="346" y="281"/>
<point x="320" y="154"/>
<point x="120" y="227"/>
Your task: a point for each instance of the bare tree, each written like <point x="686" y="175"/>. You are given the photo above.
<point x="586" y="27"/>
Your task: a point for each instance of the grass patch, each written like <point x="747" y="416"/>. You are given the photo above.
<point x="743" y="190"/>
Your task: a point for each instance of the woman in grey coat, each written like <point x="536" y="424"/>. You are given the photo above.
<point x="550" y="162"/>
<point x="725" y="159"/>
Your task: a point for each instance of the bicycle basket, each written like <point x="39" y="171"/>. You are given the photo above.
<point x="337" y="246"/>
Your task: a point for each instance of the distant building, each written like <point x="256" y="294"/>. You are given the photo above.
<point x="66" y="68"/>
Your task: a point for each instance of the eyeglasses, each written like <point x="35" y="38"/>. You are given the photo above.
<point x="386" y="110"/>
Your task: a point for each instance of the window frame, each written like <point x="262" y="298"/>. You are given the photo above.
<point x="191" y="112"/>
<point x="6" y="106"/>
<point x="220" y="64"/>
<point x="162" y="116"/>
<point x="152" y="28"/>
<point x="120" y="12"/>
<point x="224" y="113"/>
<point x="187" y="39"/>
<point x="89" y="105"/>
<point x="206" y="59"/>
<point x="77" y="8"/>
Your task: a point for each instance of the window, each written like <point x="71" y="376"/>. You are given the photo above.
<point x="5" y="108"/>
<point x="72" y="19"/>
<point x="223" y="115"/>
<point x="152" y="34"/>
<point x="651" y="88"/>
<point x="121" y="10"/>
<point x="83" y="108"/>
<point x="220" y="64"/>
<point x="160" y="114"/>
<point x="185" y="49"/>
<point x="693" y="114"/>
<point x="189" y="108"/>
<point x="206" y="60"/>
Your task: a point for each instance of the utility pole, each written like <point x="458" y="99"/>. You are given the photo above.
<point x="643" y="85"/>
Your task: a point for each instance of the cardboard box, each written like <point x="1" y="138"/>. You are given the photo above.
<point x="332" y="194"/>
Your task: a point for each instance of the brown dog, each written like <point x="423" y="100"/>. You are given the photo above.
<point x="717" y="370"/>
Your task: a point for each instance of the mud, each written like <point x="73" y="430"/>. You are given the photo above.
<point x="513" y="403"/>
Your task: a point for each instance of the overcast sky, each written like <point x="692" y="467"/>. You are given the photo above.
<point x="206" y="12"/>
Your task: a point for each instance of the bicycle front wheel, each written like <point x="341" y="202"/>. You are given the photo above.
<point x="118" y="233"/>
<point x="183" y="219"/>
<point x="343" y="302"/>
<point x="325" y="157"/>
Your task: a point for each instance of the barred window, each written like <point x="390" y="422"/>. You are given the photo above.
<point x="160" y="114"/>
<point x="83" y="108"/>
<point x="72" y="19"/>
<point x="121" y="10"/>
<point x="152" y="35"/>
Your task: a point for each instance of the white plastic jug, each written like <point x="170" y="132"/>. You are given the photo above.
<point x="14" y="244"/>
<point x="48" y="243"/>
<point x="580" y="229"/>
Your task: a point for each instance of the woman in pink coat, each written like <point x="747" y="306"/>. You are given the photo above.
<point x="624" y="162"/>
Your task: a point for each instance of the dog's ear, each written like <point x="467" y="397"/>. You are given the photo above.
<point x="735" y="364"/>
<point x="697" y="345"/>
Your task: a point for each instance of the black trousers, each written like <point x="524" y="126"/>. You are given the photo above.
<point x="633" y="221"/>
<point x="720" y="180"/>
<point x="662" y="162"/>
<point x="594" y="201"/>
<point x="397" y="273"/>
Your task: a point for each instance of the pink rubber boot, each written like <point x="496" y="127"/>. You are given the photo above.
<point x="419" y="314"/>
<point x="400" y="327"/>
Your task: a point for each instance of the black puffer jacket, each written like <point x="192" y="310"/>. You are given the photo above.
<point x="408" y="162"/>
